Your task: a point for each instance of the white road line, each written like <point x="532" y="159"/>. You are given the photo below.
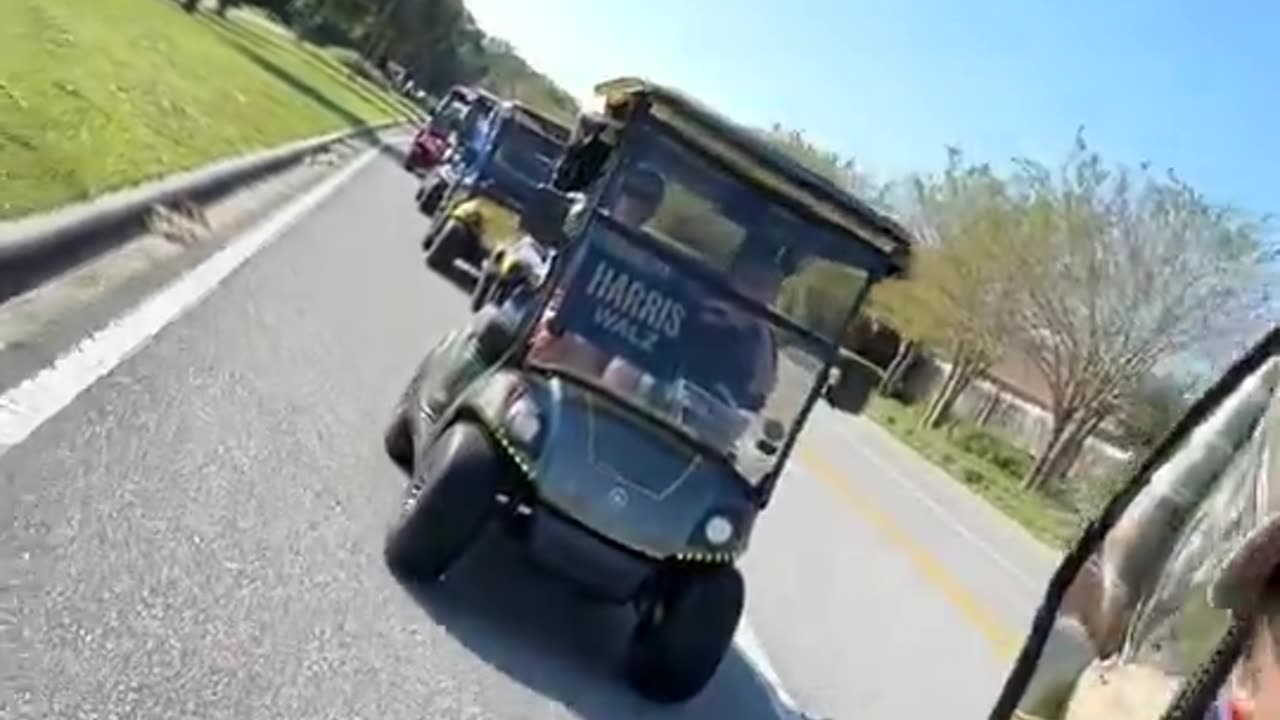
<point x="950" y="520"/>
<point x="41" y="396"/>
<point x="749" y="644"/>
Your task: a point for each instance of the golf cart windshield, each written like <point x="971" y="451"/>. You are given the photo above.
<point x="448" y="116"/>
<point x="707" y="304"/>
<point x="527" y="153"/>
<point x="1143" y="619"/>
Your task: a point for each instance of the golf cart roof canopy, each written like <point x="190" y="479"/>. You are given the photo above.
<point x="538" y="121"/>
<point x="471" y="93"/>
<point x="751" y="155"/>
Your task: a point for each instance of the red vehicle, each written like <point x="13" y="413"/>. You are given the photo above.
<point x="427" y="150"/>
<point x="435" y="137"/>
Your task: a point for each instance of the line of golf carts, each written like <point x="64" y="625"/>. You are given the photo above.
<point x="628" y="392"/>
<point x="496" y="153"/>
<point x="659" y="301"/>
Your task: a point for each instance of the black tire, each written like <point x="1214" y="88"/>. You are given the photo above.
<point x="398" y="441"/>
<point x="429" y="202"/>
<point x="433" y="232"/>
<point x="450" y="244"/>
<point x="447" y="505"/>
<point x="484" y="287"/>
<point x="680" y="642"/>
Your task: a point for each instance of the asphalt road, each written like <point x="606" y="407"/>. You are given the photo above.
<point x="199" y="534"/>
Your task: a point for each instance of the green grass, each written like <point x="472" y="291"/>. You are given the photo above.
<point x="103" y="94"/>
<point x="978" y="462"/>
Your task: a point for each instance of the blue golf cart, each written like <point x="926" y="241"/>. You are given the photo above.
<point x="487" y="189"/>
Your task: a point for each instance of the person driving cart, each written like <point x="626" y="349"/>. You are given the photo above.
<point x="639" y="195"/>
<point x="726" y="331"/>
<point x="731" y="332"/>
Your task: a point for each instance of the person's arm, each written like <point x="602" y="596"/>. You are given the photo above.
<point x="764" y="376"/>
<point x="622" y="376"/>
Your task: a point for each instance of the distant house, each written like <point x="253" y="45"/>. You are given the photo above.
<point x="1013" y="400"/>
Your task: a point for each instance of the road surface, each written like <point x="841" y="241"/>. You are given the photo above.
<point x="198" y="533"/>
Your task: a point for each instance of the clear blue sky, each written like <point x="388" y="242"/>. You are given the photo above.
<point x="1193" y="86"/>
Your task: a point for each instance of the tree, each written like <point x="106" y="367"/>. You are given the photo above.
<point x="507" y="74"/>
<point x="1155" y="406"/>
<point x="1121" y="271"/>
<point x="437" y="41"/>
<point x="957" y="295"/>
<point x="843" y="171"/>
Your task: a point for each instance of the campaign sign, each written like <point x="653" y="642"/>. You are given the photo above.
<point x="629" y="303"/>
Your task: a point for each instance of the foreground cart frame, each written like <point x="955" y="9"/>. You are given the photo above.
<point x="644" y="497"/>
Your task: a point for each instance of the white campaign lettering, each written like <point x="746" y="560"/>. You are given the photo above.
<point x="610" y="320"/>
<point x="629" y="308"/>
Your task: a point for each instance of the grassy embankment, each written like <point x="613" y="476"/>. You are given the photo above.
<point x="104" y="94"/>
<point x="987" y="465"/>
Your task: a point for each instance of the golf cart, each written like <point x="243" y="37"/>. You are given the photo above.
<point x="631" y="422"/>
<point x="1147" y="615"/>
<point x="432" y="140"/>
<point x="480" y="208"/>
<point x="517" y="269"/>
<point x="464" y="116"/>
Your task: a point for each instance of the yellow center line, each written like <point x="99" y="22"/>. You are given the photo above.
<point x="1001" y="638"/>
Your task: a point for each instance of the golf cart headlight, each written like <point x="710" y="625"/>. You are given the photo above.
<point x="523" y="422"/>
<point x="718" y="530"/>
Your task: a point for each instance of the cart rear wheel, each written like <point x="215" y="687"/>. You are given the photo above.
<point x="450" y="244"/>
<point x="449" y="502"/>
<point x="484" y="286"/>
<point x="398" y="441"/>
<point x="681" y="640"/>
<point x="429" y="201"/>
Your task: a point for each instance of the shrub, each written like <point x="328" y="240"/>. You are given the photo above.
<point x="975" y="478"/>
<point x="994" y="450"/>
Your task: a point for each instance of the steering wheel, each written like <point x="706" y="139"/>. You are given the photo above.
<point x="724" y="394"/>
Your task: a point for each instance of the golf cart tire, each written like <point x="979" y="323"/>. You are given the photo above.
<point x="397" y="439"/>
<point x="450" y="243"/>
<point x="451" y="499"/>
<point x="484" y="287"/>
<point x="671" y="659"/>
<point x="429" y="239"/>
<point x="398" y="442"/>
<point x="429" y="201"/>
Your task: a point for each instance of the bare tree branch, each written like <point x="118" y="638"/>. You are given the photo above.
<point x="1120" y="273"/>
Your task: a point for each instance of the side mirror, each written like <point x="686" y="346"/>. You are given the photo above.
<point x="584" y="155"/>
<point x="772" y="435"/>
<point x="543" y="216"/>
<point x="852" y="383"/>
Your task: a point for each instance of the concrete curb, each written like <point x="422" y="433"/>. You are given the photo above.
<point x="34" y="249"/>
